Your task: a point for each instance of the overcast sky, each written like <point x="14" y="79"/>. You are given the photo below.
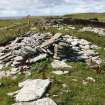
<point x="49" y="7"/>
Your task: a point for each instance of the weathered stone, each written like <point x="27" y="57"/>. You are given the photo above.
<point x="43" y="101"/>
<point x="1" y="66"/>
<point x="59" y="50"/>
<point x="2" y="48"/>
<point x="4" y="56"/>
<point x="40" y="57"/>
<point x="86" y="47"/>
<point x="2" y="74"/>
<point x="17" y="40"/>
<point x="15" y="63"/>
<point x="7" y="59"/>
<point x="52" y="40"/>
<point x="60" y="72"/>
<point x="12" y="93"/>
<point x="29" y="50"/>
<point x="18" y="58"/>
<point x="99" y="31"/>
<point x="90" y="79"/>
<point x="32" y="90"/>
<point x="14" y="71"/>
<point x="59" y="65"/>
<point x="74" y="43"/>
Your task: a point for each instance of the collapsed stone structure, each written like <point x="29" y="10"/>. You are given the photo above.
<point x="33" y="47"/>
<point x="99" y="31"/>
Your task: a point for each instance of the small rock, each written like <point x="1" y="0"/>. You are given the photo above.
<point x="2" y="74"/>
<point x="40" y="57"/>
<point x="85" y="82"/>
<point x="12" y="94"/>
<point x="1" y="66"/>
<point x="56" y="64"/>
<point x="64" y="85"/>
<point x="14" y="71"/>
<point x="75" y="80"/>
<point x="60" y="72"/>
<point x="18" y="58"/>
<point x="90" y="79"/>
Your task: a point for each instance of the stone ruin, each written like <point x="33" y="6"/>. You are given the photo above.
<point x="33" y="47"/>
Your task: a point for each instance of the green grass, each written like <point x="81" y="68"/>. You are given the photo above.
<point x="12" y="28"/>
<point x="8" y="85"/>
<point x="7" y="35"/>
<point x="78" y="94"/>
<point x="101" y="52"/>
<point x="100" y="16"/>
<point x="11" y="22"/>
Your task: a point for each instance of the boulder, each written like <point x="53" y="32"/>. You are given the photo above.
<point x="32" y="90"/>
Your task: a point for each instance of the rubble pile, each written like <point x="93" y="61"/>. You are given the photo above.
<point x="33" y="47"/>
<point x="100" y="31"/>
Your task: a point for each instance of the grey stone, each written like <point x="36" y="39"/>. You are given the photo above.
<point x="99" y="31"/>
<point x="43" y="101"/>
<point x="32" y="90"/>
<point x="40" y="57"/>
<point x="1" y="66"/>
<point x="18" y="58"/>
<point x="52" y="40"/>
<point x="5" y="56"/>
<point x="59" y="65"/>
<point x="60" y="72"/>
<point x="2" y="74"/>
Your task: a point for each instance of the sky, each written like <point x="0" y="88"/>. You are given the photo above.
<point x="49" y="7"/>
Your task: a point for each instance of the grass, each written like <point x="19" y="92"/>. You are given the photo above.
<point x="99" y="16"/>
<point x="8" y="85"/>
<point x="11" y="22"/>
<point x="7" y="35"/>
<point x="12" y="28"/>
<point x="75" y="93"/>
